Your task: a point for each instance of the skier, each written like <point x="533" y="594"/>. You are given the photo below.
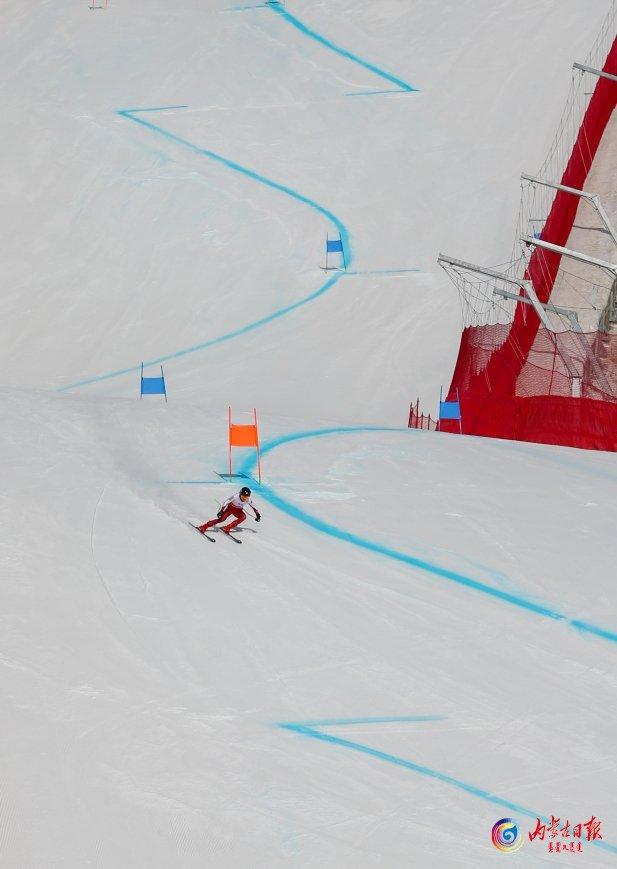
<point x="233" y="506"/>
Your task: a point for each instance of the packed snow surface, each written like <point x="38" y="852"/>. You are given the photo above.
<point x="420" y="637"/>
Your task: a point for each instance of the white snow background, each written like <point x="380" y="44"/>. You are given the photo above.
<point x="420" y="638"/>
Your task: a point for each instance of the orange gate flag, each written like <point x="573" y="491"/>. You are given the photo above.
<point x="244" y="436"/>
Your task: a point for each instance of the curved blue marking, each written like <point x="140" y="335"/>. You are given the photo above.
<point x="421" y="564"/>
<point x="304" y="729"/>
<point x="312" y="34"/>
<point x="370" y="93"/>
<point x="130" y="114"/>
<point x="210" y="343"/>
<point x="243" y="170"/>
<point x="153" y="109"/>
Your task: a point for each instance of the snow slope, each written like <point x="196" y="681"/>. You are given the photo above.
<point x="128" y="243"/>
<point x="420" y="637"/>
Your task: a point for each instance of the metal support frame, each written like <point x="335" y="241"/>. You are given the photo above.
<point x="572" y="316"/>
<point x="582" y="194"/>
<point x="581" y="257"/>
<point x="540" y="308"/>
<point x="598" y="72"/>
<point x="530" y="298"/>
<point x="564" y="312"/>
<point x="574" y="254"/>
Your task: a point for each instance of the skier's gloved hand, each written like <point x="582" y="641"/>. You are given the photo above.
<point x="219" y="515"/>
<point x="257" y="517"/>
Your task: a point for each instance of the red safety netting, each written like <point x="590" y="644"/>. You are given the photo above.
<point x="522" y="382"/>
<point x="421" y="420"/>
<point x="564" y="391"/>
<point x="558" y="363"/>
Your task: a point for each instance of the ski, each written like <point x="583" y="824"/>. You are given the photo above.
<point x="203" y="534"/>
<point x="229" y="534"/>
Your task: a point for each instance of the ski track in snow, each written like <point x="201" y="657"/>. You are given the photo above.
<point x="94" y="561"/>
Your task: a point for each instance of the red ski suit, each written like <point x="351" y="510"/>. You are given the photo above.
<point x="232" y="507"/>
<point x="228" y="511"/>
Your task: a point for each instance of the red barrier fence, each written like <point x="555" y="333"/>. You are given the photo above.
<point x="542" y="419"/>
<point x="421" y="420"/>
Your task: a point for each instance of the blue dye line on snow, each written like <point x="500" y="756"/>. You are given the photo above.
<point x="308" y="730"/>
<point x="242" y="330"/>
<point x="151" y="109"/>
<point x="312" y="34"/>
<point x="395" y="555"/>
<point x="130" y="114"/>
<point x="370" y="93"/>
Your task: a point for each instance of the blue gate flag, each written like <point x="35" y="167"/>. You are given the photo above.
<point x="335" y="245"/>
<point x="451" y="409"/>
<point x="152" y="385"/>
